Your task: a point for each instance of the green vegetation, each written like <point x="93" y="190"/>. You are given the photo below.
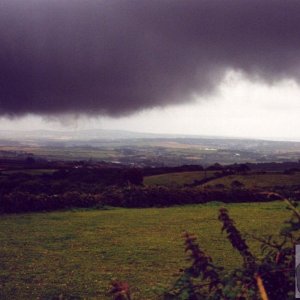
<point x="177" y="179"/>
<point x="78" y="253"/>
<point x="258" y="180"/>
<point x="271" y="275"/>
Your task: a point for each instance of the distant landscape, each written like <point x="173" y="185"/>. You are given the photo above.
<point x="142" y="149"/>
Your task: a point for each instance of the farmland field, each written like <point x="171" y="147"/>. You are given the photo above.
<point x="176" y="179"/>
<point x="76" y="254"/>
<point x="259" y="180"/>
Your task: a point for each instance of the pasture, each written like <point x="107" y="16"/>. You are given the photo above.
<point x="75" y="254"/>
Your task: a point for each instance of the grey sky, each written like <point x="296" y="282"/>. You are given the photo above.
<point x="240" y="108"/>
<point x="159" y="65"/>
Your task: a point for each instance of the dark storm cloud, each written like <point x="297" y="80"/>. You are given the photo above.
<point x="118" y="56"/>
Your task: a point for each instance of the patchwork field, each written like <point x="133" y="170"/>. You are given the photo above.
<point x="75" y="254"/>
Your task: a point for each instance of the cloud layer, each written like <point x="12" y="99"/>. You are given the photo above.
<point x="116" y="57"/>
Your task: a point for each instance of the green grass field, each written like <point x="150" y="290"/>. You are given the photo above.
<point x="176" y="179"/>
<point x="77" y="253"/>
<point x="259" y="180"/>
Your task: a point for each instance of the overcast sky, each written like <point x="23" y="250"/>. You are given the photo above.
<point x="240" y="108"/>
<point x="212" y="67"/>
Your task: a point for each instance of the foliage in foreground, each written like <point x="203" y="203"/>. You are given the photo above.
<point x="270" y="276"/>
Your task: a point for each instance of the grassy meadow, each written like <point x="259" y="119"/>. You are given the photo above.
<point x="75" y="254"/>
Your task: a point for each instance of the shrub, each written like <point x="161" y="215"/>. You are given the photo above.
<point x="269" y="277"/>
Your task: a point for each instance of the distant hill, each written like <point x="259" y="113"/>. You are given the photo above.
<point x="113" y="135"/>
<point x="145" y="149"/>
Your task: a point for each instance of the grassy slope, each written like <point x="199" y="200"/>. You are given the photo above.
<point x="77" y="253"/>
<point x="176" y="179"/>
<point x="259" y="180"/>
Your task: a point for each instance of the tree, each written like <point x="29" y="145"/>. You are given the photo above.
<point x="134" y="176"/>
